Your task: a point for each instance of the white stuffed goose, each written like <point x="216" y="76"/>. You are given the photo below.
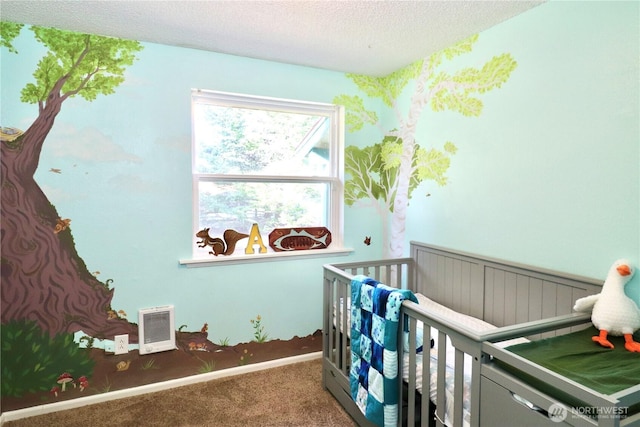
<point x="613" y="312"/>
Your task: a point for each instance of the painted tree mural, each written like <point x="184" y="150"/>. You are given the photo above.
<point x="386" y="173"/>
<point x="44" y="280"/>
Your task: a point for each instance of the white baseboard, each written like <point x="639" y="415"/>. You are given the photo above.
<point x="150" y="388"/>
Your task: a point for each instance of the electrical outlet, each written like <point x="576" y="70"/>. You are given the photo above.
<point x="121" y="344"/>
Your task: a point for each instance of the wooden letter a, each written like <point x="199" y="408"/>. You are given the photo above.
<point x="255" y="239"/>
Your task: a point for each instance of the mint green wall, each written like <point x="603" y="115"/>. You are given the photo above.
<point x="125" y="183"/>
<point x="549" y="173"/>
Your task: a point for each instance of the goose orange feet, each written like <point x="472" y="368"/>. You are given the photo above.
<point x="602" y="339"/>
<point x="630" y="344"/>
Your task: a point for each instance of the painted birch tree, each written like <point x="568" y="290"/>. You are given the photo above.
<point x="385" y="174"/>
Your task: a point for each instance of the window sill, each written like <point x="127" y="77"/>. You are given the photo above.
<point x="268" y="257"/>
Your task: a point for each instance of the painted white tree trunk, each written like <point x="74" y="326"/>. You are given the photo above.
<point x="407" y="133"/>
<point x="401" y="202"/>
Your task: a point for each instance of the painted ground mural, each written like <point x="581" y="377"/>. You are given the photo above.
<point x="48" y="294"/>
<point x="384" y="175"/>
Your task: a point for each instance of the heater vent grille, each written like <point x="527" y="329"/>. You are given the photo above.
<point x="156" y="329"/>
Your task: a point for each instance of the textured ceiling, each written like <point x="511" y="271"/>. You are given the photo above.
<point x="357" y="36"/>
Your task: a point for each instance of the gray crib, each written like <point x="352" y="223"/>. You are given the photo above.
<point x="520" y="300"/>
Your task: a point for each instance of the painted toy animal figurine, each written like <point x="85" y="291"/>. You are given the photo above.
<point x="220" y="246"/>
<point x="612" y="311"/>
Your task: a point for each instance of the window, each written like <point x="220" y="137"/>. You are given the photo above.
<point x="272" y="162"/>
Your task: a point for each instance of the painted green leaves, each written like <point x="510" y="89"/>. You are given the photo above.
<point x="373" y="170"/>
<point x="389" y="87"/>
<point x="8" y="32"/>
<point x="78" y="64"/>
<point x="356" y="115"/>
<point x="454" y="92"/>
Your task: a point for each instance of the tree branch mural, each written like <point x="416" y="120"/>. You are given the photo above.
<point x="384" y="175"/>
<point x="44" y="280"/>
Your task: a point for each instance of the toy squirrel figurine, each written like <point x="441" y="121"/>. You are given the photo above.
<point x="220" y="246"/>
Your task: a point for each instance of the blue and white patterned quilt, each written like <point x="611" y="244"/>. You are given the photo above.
<point x="375" y="313"/>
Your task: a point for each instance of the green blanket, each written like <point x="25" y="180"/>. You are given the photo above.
<point x="577" y="357"/>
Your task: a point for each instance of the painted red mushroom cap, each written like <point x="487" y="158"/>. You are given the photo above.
<point x="83" y="382"/>
<point x="64" y="379"/>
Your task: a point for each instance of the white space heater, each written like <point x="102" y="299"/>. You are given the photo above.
<point x="156" y="329"/>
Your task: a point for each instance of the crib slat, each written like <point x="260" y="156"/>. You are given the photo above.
<point x="499" y="298"/>
<point x="344" y="330"/>
<point x="442" y="374"/>
<point x="510" y="297"/>
<point x="474" y="408"/>
<point x="331" y="340"/>
<point x="327" y="345"/>
<point x="426" y="373"/>
<point x="411" y="395"/>
<point x="535" y="301"/>
<point x="336" y="338"/>
<point x="549" y="308"/>
<point x="564" y="305"/>
<point x="458" y="388"/>
<point x="336" y="342"/>
<point x="522" y="299"/>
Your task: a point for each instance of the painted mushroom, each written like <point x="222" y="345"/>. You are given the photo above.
<point x="83" y="382"/>
<point x="55" y="390"/>
<point x="64" y="379"/>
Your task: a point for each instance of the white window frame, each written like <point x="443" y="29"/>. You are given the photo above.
<point x="335" y="180"/>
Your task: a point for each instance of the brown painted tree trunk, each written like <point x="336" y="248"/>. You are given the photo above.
<point x="43" y="277"/>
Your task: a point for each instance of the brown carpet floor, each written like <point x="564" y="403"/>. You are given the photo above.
<point x="290" y="396"/>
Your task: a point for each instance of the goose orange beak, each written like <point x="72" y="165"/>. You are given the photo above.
<point x="624" y="270"/>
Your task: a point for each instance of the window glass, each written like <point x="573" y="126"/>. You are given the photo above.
<point x="238" y="205"/>
<point x="232" y="140"/>
<point x="271" y="162"/>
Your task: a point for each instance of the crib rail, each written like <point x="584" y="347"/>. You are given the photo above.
<point x="337" y="290"/>
<point x="464" y="344"/>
